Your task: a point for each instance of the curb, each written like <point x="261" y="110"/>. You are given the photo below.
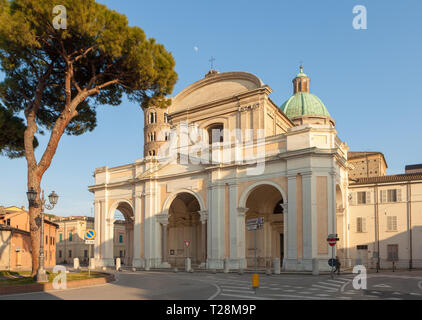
<point x="40" y="287"/>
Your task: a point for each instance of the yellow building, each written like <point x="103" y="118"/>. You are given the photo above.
<point x="386" y="220"/>
<point x="71" y="242"/>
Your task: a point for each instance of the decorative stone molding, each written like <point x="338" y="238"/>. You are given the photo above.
<point x="285" y="206"/>
<point x="204" y="215"/>
<point x="249" y="107"/>
<point x="242" y="211"/>
<point x="162" y="218"/>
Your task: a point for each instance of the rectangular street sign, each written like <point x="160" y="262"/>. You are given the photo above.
<point x="89" y="241"/>
<point x="252" y="227"/>
<point x="251" y="221"/>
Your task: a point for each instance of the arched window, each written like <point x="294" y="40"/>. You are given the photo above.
<point x="152" y="117"/>
<point x="215" y="133"/>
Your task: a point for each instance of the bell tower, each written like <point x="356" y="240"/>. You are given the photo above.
<point x="156" y="130"/>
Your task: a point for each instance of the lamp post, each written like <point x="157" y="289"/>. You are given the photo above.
<point x="53" y="198"/>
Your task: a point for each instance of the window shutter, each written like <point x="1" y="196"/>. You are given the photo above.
<point x="354" y="198"/>
<point x="398" y="195"/>
<point x="368" y="197"/>
<point x="383" y="196"/>
<point x="359" y="224"/>
<point x="363" y="224"/>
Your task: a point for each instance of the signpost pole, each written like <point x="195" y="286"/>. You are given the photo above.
<point x="332" y="264"/>
<point x="89" y="258"/>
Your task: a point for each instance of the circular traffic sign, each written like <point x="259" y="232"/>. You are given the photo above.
<point x="332" y="241"/>
<point x="332" y="262"/>
<point x="90" y="234"/>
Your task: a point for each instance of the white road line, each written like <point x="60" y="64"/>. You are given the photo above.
<point x="241" y="291"/>
<point x="327" y="288"/>
<point x="330" y="284"/>
<point x="297" y="296"/>
<point x="336" y="281"/>
<point x="245" y="297"/>
<point x="234" y="287"/>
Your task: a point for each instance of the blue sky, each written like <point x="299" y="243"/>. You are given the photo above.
<point x="370" y="80"/>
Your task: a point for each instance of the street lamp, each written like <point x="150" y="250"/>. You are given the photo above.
<point x="52" y="198"/>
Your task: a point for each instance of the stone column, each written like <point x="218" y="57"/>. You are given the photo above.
<point x="241" y="237"/>
<point x="290" y="262"/>
<point x="137" y="262"/>
<point x="203" y="219"/>
<point x="163" y="219"/>
<point x="309" y="239"/>
<point x="97" y="227"/>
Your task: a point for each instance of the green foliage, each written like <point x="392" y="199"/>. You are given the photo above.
<point x="101" y="48"/>
<point x="11" y="134"/>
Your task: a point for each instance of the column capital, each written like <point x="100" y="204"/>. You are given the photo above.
<point x="162" y="218"/>
<point x="204" y="215"/>
<point x="241" y="211"/>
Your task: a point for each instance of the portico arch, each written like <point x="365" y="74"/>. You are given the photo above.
<point x="264" y="199"/>
<point x="183" y="218"/>
<point x="120" y="232"/>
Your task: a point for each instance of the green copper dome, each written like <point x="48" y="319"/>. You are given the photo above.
<point x="304" y="104"/>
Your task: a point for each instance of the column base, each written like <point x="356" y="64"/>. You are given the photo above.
<point x="305" y="264"/>
<point x="138" y="263"/>
<point x="104" y="262"/>
<point x="165" y="265"/>
<point x="41" y="276"/>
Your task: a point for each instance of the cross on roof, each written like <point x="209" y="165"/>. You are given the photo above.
<point x="212" y="62"/>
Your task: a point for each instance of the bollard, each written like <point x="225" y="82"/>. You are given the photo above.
<point x="226" y="266"/>
<point x="187" y="264"/>
<point x="118" y="264"/>
<point x="315" y="267"/>
<point x="277" y="269"/>
<point x="76" y="263"/>
<point x="91" y="263"/>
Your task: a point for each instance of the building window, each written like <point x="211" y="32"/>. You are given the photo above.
<point x="121" y="254"/>
<point x="120" y="238"/>
<point x="60" y="253"/>
<point x="361" y="197"/>
<point x="60" y="237"/>
<point x="392" y="252"/>
<point x="360" y="224"/>
<point x="215" y="133"/>
<point x="70" y="236"/>
<point x="8" y="222"/>
<point x="46" y="239"/>
<point x="70" y="253"/>
<point x="392" y="223"/>
<point x="390" y="195"/>
<point x="362" y="247"/>
<point x="152" y="117"/>
<point x="85" y="253"/>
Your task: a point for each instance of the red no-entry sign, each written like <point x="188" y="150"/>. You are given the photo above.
<point x="187" y="243"/>
<point x="332" y="239"/>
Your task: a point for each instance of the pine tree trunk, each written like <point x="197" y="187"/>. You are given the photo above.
<point x="35" y="219"/>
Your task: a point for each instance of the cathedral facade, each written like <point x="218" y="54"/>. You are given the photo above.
<point x="221" y="155"/>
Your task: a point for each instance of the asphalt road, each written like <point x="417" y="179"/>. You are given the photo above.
<point x="400" y="285"/>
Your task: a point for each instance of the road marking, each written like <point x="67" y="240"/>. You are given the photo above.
<point x="330" y="284"/>
<point x="420" y="285"/>
<point x="382" y="285"/>
<point x="241" y="291"/>
<point x="336" y="281"/>
<point x="245" y="297"/>
<point x="327" y="288"/>
<point x="297" y="296"/>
